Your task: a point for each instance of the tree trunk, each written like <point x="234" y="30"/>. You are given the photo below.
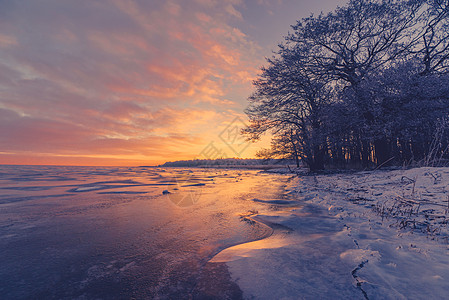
<point x="295" y="151"/>
<point x="382" y="150"/>
<point x="316" y="163"/>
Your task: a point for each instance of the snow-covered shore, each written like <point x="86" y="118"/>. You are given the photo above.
<point x="365" y="235"/>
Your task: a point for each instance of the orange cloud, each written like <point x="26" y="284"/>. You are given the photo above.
<point x="127" y="82"/>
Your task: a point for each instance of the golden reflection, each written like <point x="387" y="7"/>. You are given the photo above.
<point x="251" y="249"/>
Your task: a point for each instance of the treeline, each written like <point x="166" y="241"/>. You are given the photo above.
<point x="363" y="86"/>
<point x="225" y="162"/>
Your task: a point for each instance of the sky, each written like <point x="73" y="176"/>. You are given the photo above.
<point x="129" y="82"/>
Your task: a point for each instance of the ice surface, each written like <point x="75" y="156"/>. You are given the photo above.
<point x="110" y="233"/>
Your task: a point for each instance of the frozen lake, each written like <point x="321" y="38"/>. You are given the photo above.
<point x="89" y="232"/>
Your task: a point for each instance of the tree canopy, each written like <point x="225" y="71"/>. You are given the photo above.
<point x="364" y="85"/>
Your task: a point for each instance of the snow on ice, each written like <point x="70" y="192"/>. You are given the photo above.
<point x="364" y="235"/>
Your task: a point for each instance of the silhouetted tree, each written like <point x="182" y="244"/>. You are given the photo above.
<point x="289" y="101"/>
<point x="365" y="84"/>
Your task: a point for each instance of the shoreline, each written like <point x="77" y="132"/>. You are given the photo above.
<point x="215" y="280"/>
<point x="281" y="168"/>
<point x="343" y="244"/>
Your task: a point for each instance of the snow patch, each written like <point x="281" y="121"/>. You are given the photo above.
<point x="358" y="255"/>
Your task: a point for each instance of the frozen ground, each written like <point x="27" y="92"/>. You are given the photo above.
<point x="366" y="235"/>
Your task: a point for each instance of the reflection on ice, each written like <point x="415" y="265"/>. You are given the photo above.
<point x="86" y="232"/>
<point x="248" y="249"/>
<point x="88" y="188"/>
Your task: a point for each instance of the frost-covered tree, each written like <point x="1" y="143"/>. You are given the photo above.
<point x="365" y="84"/>
<point x="356" y="39"/>
<point x="289" y="101"/>
<point x="406" y="108"/>
<point x="283" y="146"/>
<point x="433" y="47"/>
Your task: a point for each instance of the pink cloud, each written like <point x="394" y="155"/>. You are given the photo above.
<point x="132" y="78"/>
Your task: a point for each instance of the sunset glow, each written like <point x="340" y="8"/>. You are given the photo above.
<point x="131" y="82"/>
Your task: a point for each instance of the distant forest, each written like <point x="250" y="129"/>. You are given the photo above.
<point x="366" y="85"/>
<point x="226" y="162"/>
